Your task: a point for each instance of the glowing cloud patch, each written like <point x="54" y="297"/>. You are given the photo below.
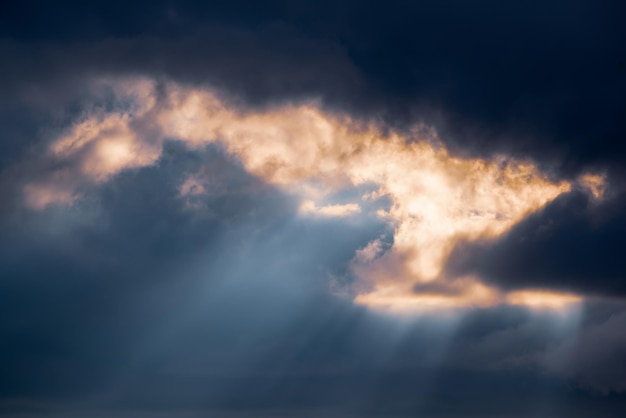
<point x="436" y="198"/>
<point x="538" y="299"/>
<point x="309" y="208"/>
<point x="595" y="183"/>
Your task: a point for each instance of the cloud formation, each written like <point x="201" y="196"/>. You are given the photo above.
<point x="204" y="207"/>
<point x="436" y="199"/>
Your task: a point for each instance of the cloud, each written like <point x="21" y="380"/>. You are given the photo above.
<point x="592" y="357"/>
<point x="571" y="245"/>
<point x="525" y="62"/>
<point x="437" y="199"/>
<point x="164" y="267"/>
<point x="309" y="207"/>
<point x="40" y="196"/>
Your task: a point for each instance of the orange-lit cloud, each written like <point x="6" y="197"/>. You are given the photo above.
<point x="595" y="183"/>
<point x="540" y="299"/>
<point x="436" y="198"/>
<point x="41" y="195"/>
<point x="309" y="207"/>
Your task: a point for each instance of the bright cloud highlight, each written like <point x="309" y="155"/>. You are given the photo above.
<point x="436" y="199"/>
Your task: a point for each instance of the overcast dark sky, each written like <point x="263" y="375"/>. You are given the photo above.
<point x="312" y="208"/>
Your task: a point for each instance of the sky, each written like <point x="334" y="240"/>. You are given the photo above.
<point x="312" y="209"/>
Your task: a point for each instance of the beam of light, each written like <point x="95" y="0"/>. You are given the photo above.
<point x="437" y="199"/>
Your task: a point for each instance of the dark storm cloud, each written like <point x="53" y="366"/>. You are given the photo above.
<point x="137" y="301"/>
<point x="572" y="245"/>
<point x="112" y="283"/>
<point x="73" y="280"/>
<point x="510" y="76"/>
<point x="540" y="79"/>
<point x="595" y="357"/>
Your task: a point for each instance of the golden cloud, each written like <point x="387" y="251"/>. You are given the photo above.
<point x="308" y="207"/>
<point x="436" y="198"/>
